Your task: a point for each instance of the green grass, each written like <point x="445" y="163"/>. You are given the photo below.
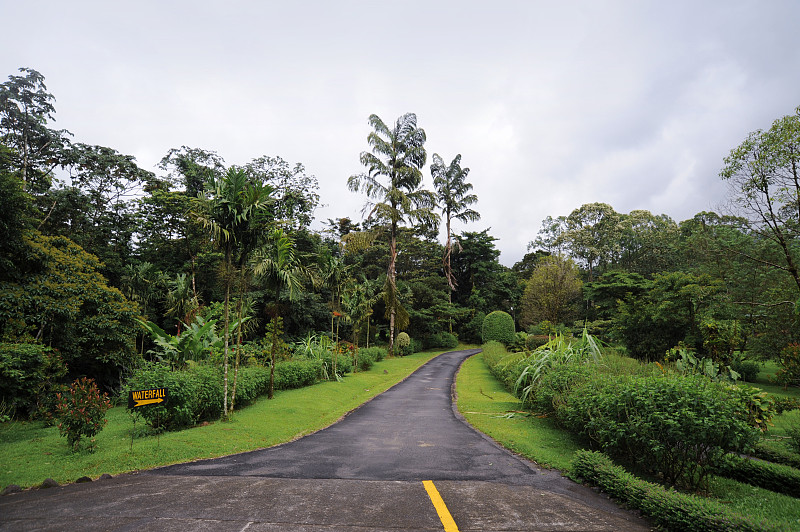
<point x="491" y="409"/>
<point x="31" y="452"/>
<point x="483" y="401"/>
<point x="757" y="503"/>
<point x="768" y="369"/>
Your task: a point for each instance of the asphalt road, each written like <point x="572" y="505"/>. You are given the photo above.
<point x="366" y="472"/>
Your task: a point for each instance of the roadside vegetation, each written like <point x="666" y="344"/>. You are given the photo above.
<point x="33" y="451"/>
<point x="642" y="444"/>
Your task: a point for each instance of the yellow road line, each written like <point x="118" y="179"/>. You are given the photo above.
<point x="441" y="508"/>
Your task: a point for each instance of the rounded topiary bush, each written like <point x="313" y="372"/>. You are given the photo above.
<point x="499" y="326"/>
<point x="403" y="344"/>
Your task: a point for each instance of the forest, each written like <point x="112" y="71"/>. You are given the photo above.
<point x="108" y="270"/>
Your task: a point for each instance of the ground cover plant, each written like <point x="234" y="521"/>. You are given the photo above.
<point x="544" y="441"/>
<point x="33" y="451"/>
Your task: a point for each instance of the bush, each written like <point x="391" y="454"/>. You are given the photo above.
<point x="375" y="353"/>
<point x="747" y="369"/>
<point x="29" y="374"/>
<point x="297" y="373"/>
<point x="669" y="509"/>
<point x="251" y="382"/>
<point x="499" y="326"/>
<point x="194" y="395"/>
<point x="774" y="477"/>
<point x="80" y="412"/>
<point x="555" y="385"/>
<point x="789" y="374"/>
<point x="534" y="341"/>
<point x="365" y="361"/>
<point x="403" y="344"/>
<point x="443" y="340"/>
<point x="678" y="427"/>
<point x="778" y="455"/>
<point x="344" y="363"/>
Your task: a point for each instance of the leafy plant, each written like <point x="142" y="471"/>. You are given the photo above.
<point x="404" y="344"/>
<point x="688" y="364"/>
<point x="80" y="412"/>
<point x="195" y="343"/>
<point x="558" y="351"/>
<point x="789" y="360"/>
<point x="499" y="326"/>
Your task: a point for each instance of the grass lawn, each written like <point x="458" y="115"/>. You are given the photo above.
<point x="490" y="408"/>
<point x="31" y="452"/>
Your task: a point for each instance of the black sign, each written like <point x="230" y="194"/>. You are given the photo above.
<point x="153" y="396"/>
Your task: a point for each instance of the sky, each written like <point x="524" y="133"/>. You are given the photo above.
<point x="550" y="104"/>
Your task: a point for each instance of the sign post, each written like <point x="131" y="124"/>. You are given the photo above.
<point x="139" y="398"/>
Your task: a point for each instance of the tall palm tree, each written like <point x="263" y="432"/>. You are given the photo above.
<point x="452" y="194"/>
<point x="276" y="265"/>
<point x="229" y="208"/>
<point x="392" y="184"/>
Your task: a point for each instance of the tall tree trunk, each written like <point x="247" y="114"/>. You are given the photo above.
<point x="226" y="319"/>
<point x="238" y="336"/>
<point x="392" y="285"/>
<point x="274" y="349"/>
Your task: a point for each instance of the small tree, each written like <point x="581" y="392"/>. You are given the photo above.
<point x="551" y="292"/>
<point x="81" y="412"/>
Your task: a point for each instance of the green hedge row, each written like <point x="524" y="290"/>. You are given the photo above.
<point x="779" y="456"/>
<point x="774" y="477"/>
<point x="669" y="509"/>
<point x="196" y="394"/>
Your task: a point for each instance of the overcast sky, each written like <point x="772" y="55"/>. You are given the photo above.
<point x="551" y="104"/>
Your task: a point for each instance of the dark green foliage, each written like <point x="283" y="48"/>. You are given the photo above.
<point x="669" y="509"/>
<point x="375" y="353"/>
<point x="534" y="341"/>
<point x="365" y="360"/>
<point x="443" y="340"/>
<point x="774" y="477"/>
<point x="80" y="411"/>
<point x="194" y="395"/>
<point x="775" y="454"/>
<point x="298" y="373"/>
<point x="678" y="427"/>
<point x="403" y="344"/>
<point x="747" y="369"/>
<point x="28" y="375"/>
<point x="789" y="373"/>
<point x="344" y="363"/>
<point x="554" y="386"/>
<point x="67" y="304"/>
<point x="499" y="326"/>
<point x="471" y="332"/>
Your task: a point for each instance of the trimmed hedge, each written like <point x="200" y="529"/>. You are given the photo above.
<point x="779" y="456"/>
<point x="297" y="373"/>
<point x="680" y="427"/>
<point x="667" y="508"/>
<point x="499" y="326"/>
<point x="774" y="477"/>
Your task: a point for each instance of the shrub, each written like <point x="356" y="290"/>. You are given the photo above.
<point x="28" y="376"/>
<point x="344" y="363"/>
<point x="499" y="326"/>
<point x="376" y="353"/>
<point x="747" y="369"/>
<point x="297" y="373"/>
<point x="194" y="395"/>
<point x="669" y="509"/>
<point x="365" y="361"/>
<point x="678" y="427"/>
<point x="555" y="385"/>
<point x="778" y="455"/>
<point x="251" y="382"/>
<point x="774" y="477"/>
<point x="793" y="431"/>
<point x="403" y="344"/>
<point x="444" y="340"/>
<point x="80" y="411"/>
<point x="789" y="373"/>
<point x="534" y="341"/>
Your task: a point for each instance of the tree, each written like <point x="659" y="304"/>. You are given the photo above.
<point x="64" y="302"/>
<point x="182" y="300"/>
<point x="296" y="194"/>
<point x="551" y="292"/>
<point x="452" y="193"/>
<point x="398" y="155"/>
<point x="25" y="109"/>
<point x="16" y="217"/>
<point x="228" y="209"/>
<point x="278" y="269"/>
<point x="764" y="176"/>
